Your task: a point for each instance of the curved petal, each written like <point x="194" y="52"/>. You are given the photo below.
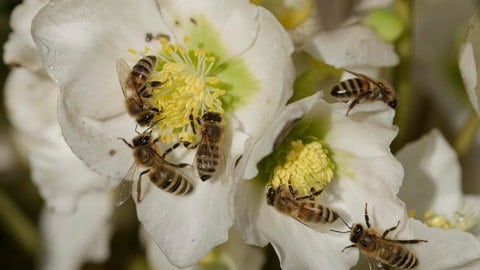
<point x="432" y="175"/>
<point x="195" y="223"/>
<point x="350" y="46"/>
<point x="261" y="147"/>
<point x="61" y="186"/>
<point x="30" y="95"/>
<point x="19" y="48"/>
<point x="237" y="16"/>
<point x="80" y="41"/>
<point x="442" y="244"/>
<point x="68" y="242"/>
<point x="272" y="47"/>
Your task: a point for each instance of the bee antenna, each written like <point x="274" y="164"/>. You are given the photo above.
<point x="339" y="231"/>
<point x="136" y="130"/>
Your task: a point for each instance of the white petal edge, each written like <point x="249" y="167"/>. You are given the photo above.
<point x="93" y="35"/>
<point x="60" y="176"/>
<point x="468" y="70"/>
<point x="20" y="48"/>
<point x="354" y="45"/>
<point x="72" y="239"/>
<point x="261" y="147"/>
<point x="30" y="100"/>
<point x="236" y="23"/>
<point x="432" y="175"/>
<point x="268" y="60"/>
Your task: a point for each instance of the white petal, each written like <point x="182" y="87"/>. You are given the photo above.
<point x="371" y="4"/>
<point x="261" y="147"/>
<point x="432" y="175"/>
<point x="30" y="99"/>
<point x="354" y="45"/>
<point x="186" y="227"/>
<point x="446" y="249"/>
<point x="468" y="69"/>
<point x="80" y="42"/>
<point x="20" y="49"/>
<point x="269" y="61"/>
<point x="236" y="21"/>
<point x="82" y="236"/>
<point x="96" y="142"/>
<point x="61" y="177"/>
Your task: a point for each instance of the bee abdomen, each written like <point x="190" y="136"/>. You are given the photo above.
<point x="170" y="181"/>
<point x="350" y="88"/>
<point x="316" y="213"/>
<point x="402" y="258"/>
<point x="142" y="71"/>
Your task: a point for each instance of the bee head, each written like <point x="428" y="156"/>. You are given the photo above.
<point x="142" y="139"/>
<point x="271" y="192"/>
<point x="356" y="232"/>
<point x="145" y="118"/>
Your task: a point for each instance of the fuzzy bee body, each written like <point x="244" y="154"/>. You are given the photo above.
<point x="364" y="88"/>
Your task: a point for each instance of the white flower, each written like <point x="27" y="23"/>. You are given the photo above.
<point x="356" y="167"/>
<point x="432" y="189"/>
<point x="64" y="182"/>
<point x="239" y="52"/>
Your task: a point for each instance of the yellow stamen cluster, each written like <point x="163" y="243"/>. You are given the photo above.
<point x="306" y="168"/>
<point x="461" y="221"/>
<point x="187" y="87"/>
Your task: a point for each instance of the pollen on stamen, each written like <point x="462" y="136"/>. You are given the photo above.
<point x="188" y="86"/>
<point x="462" y="220"/>
<point x="307" y="168"/>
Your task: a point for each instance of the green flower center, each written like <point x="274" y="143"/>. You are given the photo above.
<point x="307" y="168"/>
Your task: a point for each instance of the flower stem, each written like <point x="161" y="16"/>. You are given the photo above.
<point x="18" y="226"/>
<point x="403" y="81"/>
<point x="465" y="138"/>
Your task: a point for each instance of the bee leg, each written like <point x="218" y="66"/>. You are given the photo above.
<point x="166" y="152"/>
<point x="180" y="165"/>
<point x="357" y="100"/>
<point x="390" y="229"/>
<point x="290" y="188"/>
<point x="410" y="241"/>
<point x="192" y="123"/>
<point x="127" y="143"/>
<point x="347" y="247"/>
<point x="139" y="185"/>
<point x="366" y="217"/>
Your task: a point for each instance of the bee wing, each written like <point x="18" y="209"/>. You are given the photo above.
<point x="124" y="190"/>
<point x="123" y="71"/>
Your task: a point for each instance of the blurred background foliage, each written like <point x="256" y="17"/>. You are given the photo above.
<point x="427" y="78"/>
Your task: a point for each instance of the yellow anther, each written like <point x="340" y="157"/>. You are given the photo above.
<point x="133" y="51"/>
<point x="307" y="168"/>
<point x="187" y="86"/>
<point x="411" y="213"/>
<point x="461" y="220"/>
<point x="186" y="39"/>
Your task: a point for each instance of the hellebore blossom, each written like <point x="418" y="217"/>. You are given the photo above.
<point x="72" y="192"/>
<point x="432" y="191"/>
<point x="347" y="158"/>
<point x="227" y="57"/>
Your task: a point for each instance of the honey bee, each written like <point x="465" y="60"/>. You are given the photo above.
<point x="209" y="158"/>
<point x="162" y="173"/>
<point x="134" y="86"/>
<point x="364" y="88"/>
<point x="309" y="213"/>
<point x="386" y="251"/>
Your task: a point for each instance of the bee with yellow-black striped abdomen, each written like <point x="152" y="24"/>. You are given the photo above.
<point x="365" y="88"/>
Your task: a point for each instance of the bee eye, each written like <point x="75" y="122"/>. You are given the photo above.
<point x="393" y="104"/>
